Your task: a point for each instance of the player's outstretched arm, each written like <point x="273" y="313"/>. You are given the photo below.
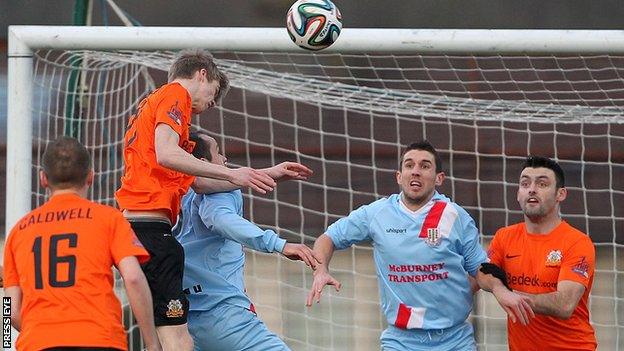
<point x="324" y="250"/>
<point x="15" y="293"/>
<point x="288" y="171"/>
<point x="515" y="305"/>
<point x="300" y="252"/>
<point x="561" y="303"/>
<point x="140" y="299"/>
<point x="170" y="155"/>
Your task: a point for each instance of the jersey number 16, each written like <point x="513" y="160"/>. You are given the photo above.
<point x="54" y="260"/>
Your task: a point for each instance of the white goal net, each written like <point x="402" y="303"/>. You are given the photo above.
<point x="347" y="116"/>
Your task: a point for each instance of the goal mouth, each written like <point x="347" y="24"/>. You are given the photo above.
<point x="348" y="115"/>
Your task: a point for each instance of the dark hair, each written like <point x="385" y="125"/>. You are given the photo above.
<point x="545" y="162"/>
<point x="66" y="163"/>
<point x="190" y="61"/>
<point x="425" y="146"/>
<point x="202" y="148"/>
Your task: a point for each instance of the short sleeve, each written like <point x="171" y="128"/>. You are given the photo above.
<point x="174" y="108"/>
<point x="578" y="263"/>
<point x="472" y="250"/>
<point x="495" y="251"/>
<point x="351" y="229"/>
<point x="10" y="276"/>
<point x="125" y="243"/>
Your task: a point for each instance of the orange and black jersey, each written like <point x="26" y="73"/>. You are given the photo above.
<point x="60" y="255"/>
<point x="146" y="185"/>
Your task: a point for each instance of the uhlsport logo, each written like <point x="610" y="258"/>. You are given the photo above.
<point x="433" y="237"/>
<point x="396" y="231"/>
<point x="174" y="309"/>
<point x="554" y="258"/>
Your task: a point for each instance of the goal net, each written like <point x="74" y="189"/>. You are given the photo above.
<point x="348" y="116"/>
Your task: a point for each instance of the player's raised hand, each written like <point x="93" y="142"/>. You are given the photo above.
<point x="517" y="306"/>
<point x="252" y="178"/>
<point x="321" y="278"/>
<point x="288" y="171"/>
<point x="300" y="252"/>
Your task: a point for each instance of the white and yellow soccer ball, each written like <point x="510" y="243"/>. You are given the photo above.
<point x="313" y="24"/>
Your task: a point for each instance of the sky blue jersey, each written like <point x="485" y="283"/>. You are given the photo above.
<point x="213" y="229"/>
<point x="422" y="258"/>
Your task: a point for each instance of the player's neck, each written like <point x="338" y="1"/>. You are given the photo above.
<point x="79" y="192"/>
<point x="188" y="84"/>
<point x="542" y="225"/>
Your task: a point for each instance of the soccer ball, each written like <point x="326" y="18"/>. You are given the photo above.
<point x="313" y="24"/>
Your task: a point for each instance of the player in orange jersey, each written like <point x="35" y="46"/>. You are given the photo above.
<point x="549" y="261"/>
<point x="57" y="264"/>
<point x="159" y="170"/>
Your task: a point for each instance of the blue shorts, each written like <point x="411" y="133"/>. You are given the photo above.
<point x="230" y="327"/>
<point x="457" y="338"/>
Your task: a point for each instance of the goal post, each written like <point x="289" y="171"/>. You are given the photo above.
<point x="23" y="40"/>
<point x="484" y="98"/>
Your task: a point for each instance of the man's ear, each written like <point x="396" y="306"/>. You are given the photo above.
<point x="90" y="177"/>
<point x="440" y="178"/>
<point x="43" y="180"/>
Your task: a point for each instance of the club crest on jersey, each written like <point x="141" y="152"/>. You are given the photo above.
<point x="174" y="309"/>
<point x="433" y="237"/>
<point x="554" y="258"/>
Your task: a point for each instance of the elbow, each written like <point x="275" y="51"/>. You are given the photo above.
<point x="163" y="159"/>
<point x="566" y="311"/>
<point x="133" y="280"/>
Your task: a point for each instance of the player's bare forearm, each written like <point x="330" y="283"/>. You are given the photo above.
<point x="561" y="303"/>
<point x="324" y="250"/>
<point x="170" y="155"/>
<point x="288" y="171"/>
<point x="15" y="293"/>
<point x="488" y="282"/>
<point x="517" y="307"/>
<point x="140" y="299"/>
<point x="203" y="185"/>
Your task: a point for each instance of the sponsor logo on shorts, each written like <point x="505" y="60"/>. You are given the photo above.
<point x="554" y="258"/>
<point x="174" y="309"/>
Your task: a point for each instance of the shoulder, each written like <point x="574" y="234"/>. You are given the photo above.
<point x="508" y="231"/>
<point x="576" y="236"/>
<point x="381" y="204"/>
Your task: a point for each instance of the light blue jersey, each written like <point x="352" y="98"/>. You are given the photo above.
<point x="422" y="259"/>
<point x="213" y="234"/>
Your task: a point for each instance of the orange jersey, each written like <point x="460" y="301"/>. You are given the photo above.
<point x="60" y="255"/>
<point x="534" y="264"/>
<point x="146" y="185"/>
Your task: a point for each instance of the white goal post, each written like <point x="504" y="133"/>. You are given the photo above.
<point x="23" y="40"/>
<point x="487" y="98"/>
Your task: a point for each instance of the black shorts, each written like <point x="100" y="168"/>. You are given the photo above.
<point x="164" y="271"/>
